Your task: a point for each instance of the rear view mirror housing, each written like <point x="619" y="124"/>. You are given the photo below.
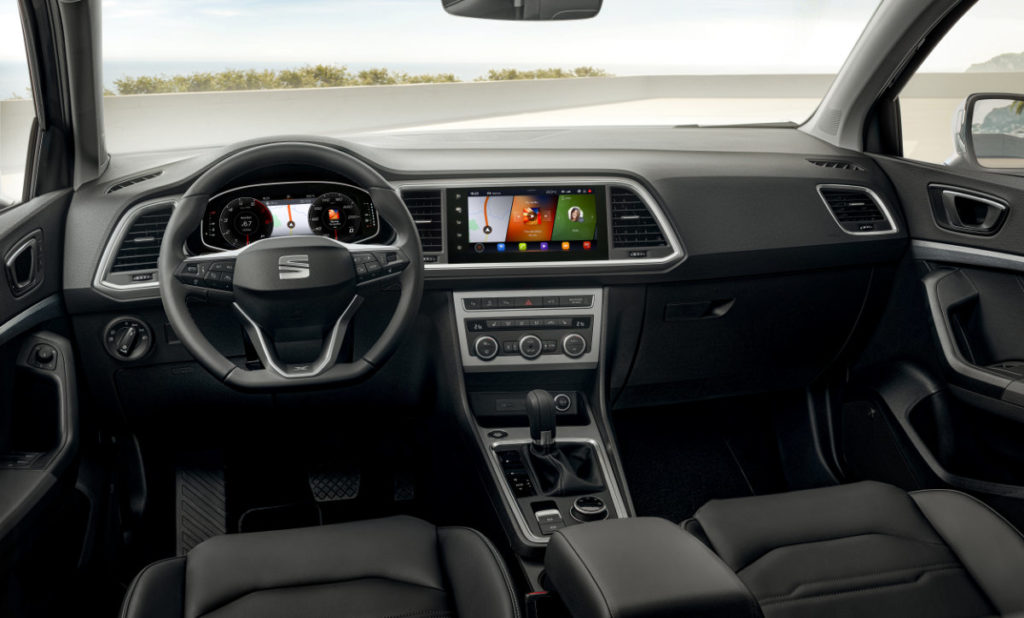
<point x="988" y="133"/>
<point x="536" y="10"/>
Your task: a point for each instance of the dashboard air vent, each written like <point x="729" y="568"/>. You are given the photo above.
<point x="857" y="210"/>
<point x="133" y="181"/>
<point x="633" y="225"/>
<point x="140" y="246"/>
<point x="425" y="208"/>
<point x="833" y="164"/>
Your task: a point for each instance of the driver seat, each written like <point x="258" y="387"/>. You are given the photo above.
<point x="396" y="566"/>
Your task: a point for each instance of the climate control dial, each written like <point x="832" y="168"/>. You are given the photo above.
<point x="486" y="347"/>
<point x="530" y="346"/>
<point x="574" y="345"/>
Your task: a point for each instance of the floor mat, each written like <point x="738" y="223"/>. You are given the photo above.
<point x="677" y="458"/>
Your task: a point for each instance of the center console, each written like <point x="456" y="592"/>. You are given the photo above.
<point x="528" y="331"/>
<point x="531" y="363"/>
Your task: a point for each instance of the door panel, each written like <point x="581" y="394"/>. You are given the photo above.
<point x="965" y="424"/>
<point x="41" y="522"/>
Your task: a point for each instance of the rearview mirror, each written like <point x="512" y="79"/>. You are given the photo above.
<point x="524" y="9"/>
<point x="989" y="132"/>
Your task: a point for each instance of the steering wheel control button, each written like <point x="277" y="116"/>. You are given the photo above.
<point x="486" y="347"/>
<point x="588" y="508"/>
<point x="530" y="347"/>
<point x="574" y="345"/>
<point x="497" y="434"/>
<point x="127" y="339"/>
<point x="219" y="275"/>
<point x="562" y="402"/>
<point x="372" y="266"/>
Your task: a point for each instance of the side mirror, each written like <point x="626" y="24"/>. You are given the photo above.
<point x="988" y="132"/>
<point x="524" y="9"/>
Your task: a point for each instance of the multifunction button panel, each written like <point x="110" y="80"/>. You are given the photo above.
<point x="520" y="330"/>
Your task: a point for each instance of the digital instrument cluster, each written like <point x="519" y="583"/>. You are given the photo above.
<point x="244" y="215"/>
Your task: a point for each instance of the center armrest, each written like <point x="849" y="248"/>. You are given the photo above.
<point x="642" y="568"/>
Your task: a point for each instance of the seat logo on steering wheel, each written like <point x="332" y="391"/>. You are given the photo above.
<point x="293" y="267"/>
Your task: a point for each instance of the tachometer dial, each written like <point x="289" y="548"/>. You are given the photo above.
<point x="244" y="221"/>
<point x="336" y="215"/>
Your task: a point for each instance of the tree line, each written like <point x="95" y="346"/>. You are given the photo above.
<point x="319" y="76"/>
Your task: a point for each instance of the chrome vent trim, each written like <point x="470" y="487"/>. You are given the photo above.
<point x="633" y="225"/>
<point x="129" y="259"/>
<point x="857" y="210"/>
<point x="426" y="208"/>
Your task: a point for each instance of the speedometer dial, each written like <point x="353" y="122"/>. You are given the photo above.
<point x="244" y="221"/>
<point x="336" y="215"/>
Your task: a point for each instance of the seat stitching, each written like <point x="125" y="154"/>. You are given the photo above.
<point x="321" y="583"/>
<point x="856" y="590"/>
<point x="500" y="563"/>
<point x="838" y="538"/>
<point x="922" y="569"/>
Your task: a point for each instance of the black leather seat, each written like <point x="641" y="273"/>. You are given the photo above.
<point x="393" y="567"/>
<point x="868" y="549"/>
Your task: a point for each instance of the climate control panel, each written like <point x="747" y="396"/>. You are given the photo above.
<point x="526" y="330"/>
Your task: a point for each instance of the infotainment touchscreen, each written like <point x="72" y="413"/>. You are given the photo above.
<point x="527" y="224"/>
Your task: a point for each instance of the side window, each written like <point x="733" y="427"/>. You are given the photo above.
<point x="983" y="53"/>
<point x="16" y="108"/>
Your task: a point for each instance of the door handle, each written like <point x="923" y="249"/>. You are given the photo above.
<point x="24" y="264"/>
<point x="967" y="212"/>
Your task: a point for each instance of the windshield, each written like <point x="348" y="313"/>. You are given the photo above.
<point x="188" y="73"/>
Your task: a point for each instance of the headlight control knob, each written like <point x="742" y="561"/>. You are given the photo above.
<point x="127" y="338"/>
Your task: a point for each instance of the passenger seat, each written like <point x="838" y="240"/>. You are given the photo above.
<point x="868" y="549"/>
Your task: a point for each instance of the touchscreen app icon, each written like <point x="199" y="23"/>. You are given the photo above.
<point x="522" y="246"/>
<point x="565" y="246"/>
<point x="586" y="245"/>
<point x="543" y="246"/>
<point x="501" y="246"/>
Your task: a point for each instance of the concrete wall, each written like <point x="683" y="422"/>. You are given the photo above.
<point x="158" y="122"/>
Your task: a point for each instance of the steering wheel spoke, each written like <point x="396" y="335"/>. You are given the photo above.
<point x="265" y="344"/>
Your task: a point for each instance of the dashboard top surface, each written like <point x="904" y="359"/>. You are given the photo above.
<point x="740" y="200"/>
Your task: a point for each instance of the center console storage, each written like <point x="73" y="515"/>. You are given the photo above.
<point x="642" y="568"/>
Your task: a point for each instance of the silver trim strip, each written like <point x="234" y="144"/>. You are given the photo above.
<point x="588" y="360"/>
<point x="874" y="196"/>
<point x="678" y="253"/>
<point x="957" y="254"/>
<point x="611" y="485"/>
<point x="46" y="309"/>
<point x="114" y="243"/>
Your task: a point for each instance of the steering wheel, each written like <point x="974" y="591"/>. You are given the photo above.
<point x="295" y="295"/>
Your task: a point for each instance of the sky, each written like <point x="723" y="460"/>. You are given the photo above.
<point x="629" y="36"/>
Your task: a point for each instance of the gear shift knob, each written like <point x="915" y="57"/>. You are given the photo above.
<point x="540" y="408"/>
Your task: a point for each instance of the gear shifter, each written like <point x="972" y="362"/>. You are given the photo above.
<point x="561" y="470"/>
<point x="540" y="408"/>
